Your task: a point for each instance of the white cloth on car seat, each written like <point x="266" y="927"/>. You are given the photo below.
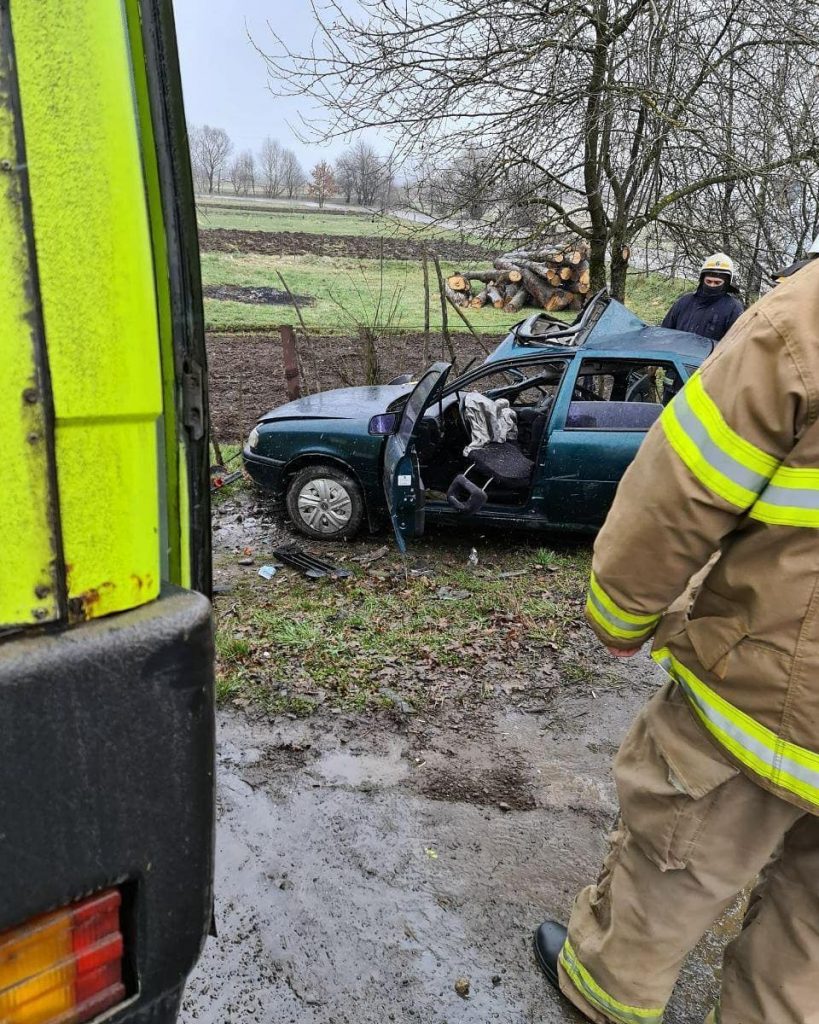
<point x="488" y="420"/>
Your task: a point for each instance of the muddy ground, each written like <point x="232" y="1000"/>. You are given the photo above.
<point x="255" y="296"/>
<point x="302" y="243"/>
<point x="368" y="860"/>
<point x="246" y="371"/>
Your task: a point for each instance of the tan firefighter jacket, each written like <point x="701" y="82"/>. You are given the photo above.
<point x="732" y="466"/>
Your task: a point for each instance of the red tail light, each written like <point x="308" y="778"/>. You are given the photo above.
<point x="64" y="967"/>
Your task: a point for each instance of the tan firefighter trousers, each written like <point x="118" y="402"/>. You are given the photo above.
<point x="694" y="832"/>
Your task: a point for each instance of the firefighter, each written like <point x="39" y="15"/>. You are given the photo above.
<point x="714" y="307"/>
<point x="718" y="778"/>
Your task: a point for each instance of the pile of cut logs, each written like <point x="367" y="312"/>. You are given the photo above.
<point x="552" y="279"/>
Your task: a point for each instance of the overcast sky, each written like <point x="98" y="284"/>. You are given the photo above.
<point x="225" y="80"/>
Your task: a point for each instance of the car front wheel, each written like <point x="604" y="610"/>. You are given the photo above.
<point x="325" y="503"/>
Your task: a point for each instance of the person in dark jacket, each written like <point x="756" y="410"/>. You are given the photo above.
<point x="713" y="307"/>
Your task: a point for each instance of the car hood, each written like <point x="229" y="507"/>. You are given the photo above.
<point x="343" y="403"/>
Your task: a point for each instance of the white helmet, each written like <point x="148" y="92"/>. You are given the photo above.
<point x="720" y="264"/>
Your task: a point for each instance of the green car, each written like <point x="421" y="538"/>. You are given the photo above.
<point x="579" y="399"/>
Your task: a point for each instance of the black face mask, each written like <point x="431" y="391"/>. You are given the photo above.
<point x="713" y="291"/>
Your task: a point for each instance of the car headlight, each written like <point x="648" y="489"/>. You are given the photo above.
<point x="253" y="439"/>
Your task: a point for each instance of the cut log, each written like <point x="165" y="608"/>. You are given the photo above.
<point x="559" y="299"/>
<point x="518" y="301"/>
<point x="495" y="296"/>
<point x="502" y="263"/>
<point x="510" y="291"/>
<point x="554" y="279"/>
<point x="583" y="273"/>
<point x="566" y="273"/>
<point x="456" y="298"/>
<point x="582" y="287"/>
<point x="458" y="283"/>
<point x="537" y="287"/>
<point x="479" y="300"/>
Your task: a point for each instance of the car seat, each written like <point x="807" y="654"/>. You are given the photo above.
<point x="502" y="463"/>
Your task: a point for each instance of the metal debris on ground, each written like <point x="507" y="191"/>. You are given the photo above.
<point x="313" y="568"/>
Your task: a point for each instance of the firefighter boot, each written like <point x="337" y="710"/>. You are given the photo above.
<point x="549" y="939"/>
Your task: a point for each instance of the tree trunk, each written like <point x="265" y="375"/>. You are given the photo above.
<point x="620" y="253"/>
<point x="597" y="263"/>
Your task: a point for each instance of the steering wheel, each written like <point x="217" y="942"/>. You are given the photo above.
<point x="633" y="389"/>
<point x="587" y="394"/>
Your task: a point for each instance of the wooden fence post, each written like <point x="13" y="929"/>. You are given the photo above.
<point x="291" y="362"/>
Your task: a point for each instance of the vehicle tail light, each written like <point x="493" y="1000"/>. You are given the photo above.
<point x="64" y="967"/>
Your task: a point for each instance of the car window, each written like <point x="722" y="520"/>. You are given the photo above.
<point x="690" y="369"/>
<point x="621" y="394"/>
<point x="521" y="385"/>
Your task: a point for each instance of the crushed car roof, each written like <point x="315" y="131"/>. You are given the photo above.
<point x="604" y="325"/>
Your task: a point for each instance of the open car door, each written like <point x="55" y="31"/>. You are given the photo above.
<point x="402" y="477"/>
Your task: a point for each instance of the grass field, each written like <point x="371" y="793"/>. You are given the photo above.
<point x="365" y="225"/>
<point x="358" y="284"/>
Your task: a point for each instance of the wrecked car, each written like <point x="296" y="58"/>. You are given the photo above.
<point x="581" y="396"/>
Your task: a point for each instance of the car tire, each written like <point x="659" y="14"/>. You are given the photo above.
<point x="325" y="503"/>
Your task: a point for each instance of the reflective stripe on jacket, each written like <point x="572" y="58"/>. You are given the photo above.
<point x="732" y="466"/>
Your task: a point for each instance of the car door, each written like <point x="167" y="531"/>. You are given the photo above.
<point x="604" y="411"/>
<point x="403" y="487"/>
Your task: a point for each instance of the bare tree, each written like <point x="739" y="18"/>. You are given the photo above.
<point x="605" y="102"/>
<point x="210" y="149"/>
<point x="293" y="176"/>
<point x="270" y="163"/>
<point x="322" y="184"/>
<point x="243" y="173"/>
<point x="345" y="176"/>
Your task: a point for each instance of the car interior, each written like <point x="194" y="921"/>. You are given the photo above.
<point x="609" y="394"/>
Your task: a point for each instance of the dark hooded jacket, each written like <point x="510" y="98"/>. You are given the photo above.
<point x="708" y="315"/>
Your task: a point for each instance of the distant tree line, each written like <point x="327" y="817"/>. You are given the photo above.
<point x="359" y="175"/>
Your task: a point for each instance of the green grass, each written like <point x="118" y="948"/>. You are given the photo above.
<point x="341" y="643"/>
<point x="356" y="284"/>
<point x="334" y="281"/>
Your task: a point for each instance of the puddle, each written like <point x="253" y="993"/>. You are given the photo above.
<point x="345" y="768"/>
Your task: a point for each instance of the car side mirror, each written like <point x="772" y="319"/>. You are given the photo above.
<point x="384" y="423"/>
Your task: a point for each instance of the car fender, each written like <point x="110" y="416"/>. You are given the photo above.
<point x="375" y="514"/>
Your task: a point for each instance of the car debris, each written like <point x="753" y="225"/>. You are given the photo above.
<point x="267" y="572"/>
<point x="313" y="568"/>
<point x="218" y="481"/>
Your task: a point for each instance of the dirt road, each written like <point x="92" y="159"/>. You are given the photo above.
<point x="367" y="863"/>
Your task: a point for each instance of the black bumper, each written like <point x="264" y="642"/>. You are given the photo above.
<point x="267" y="473"/>
<point x="107" y="778"/>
